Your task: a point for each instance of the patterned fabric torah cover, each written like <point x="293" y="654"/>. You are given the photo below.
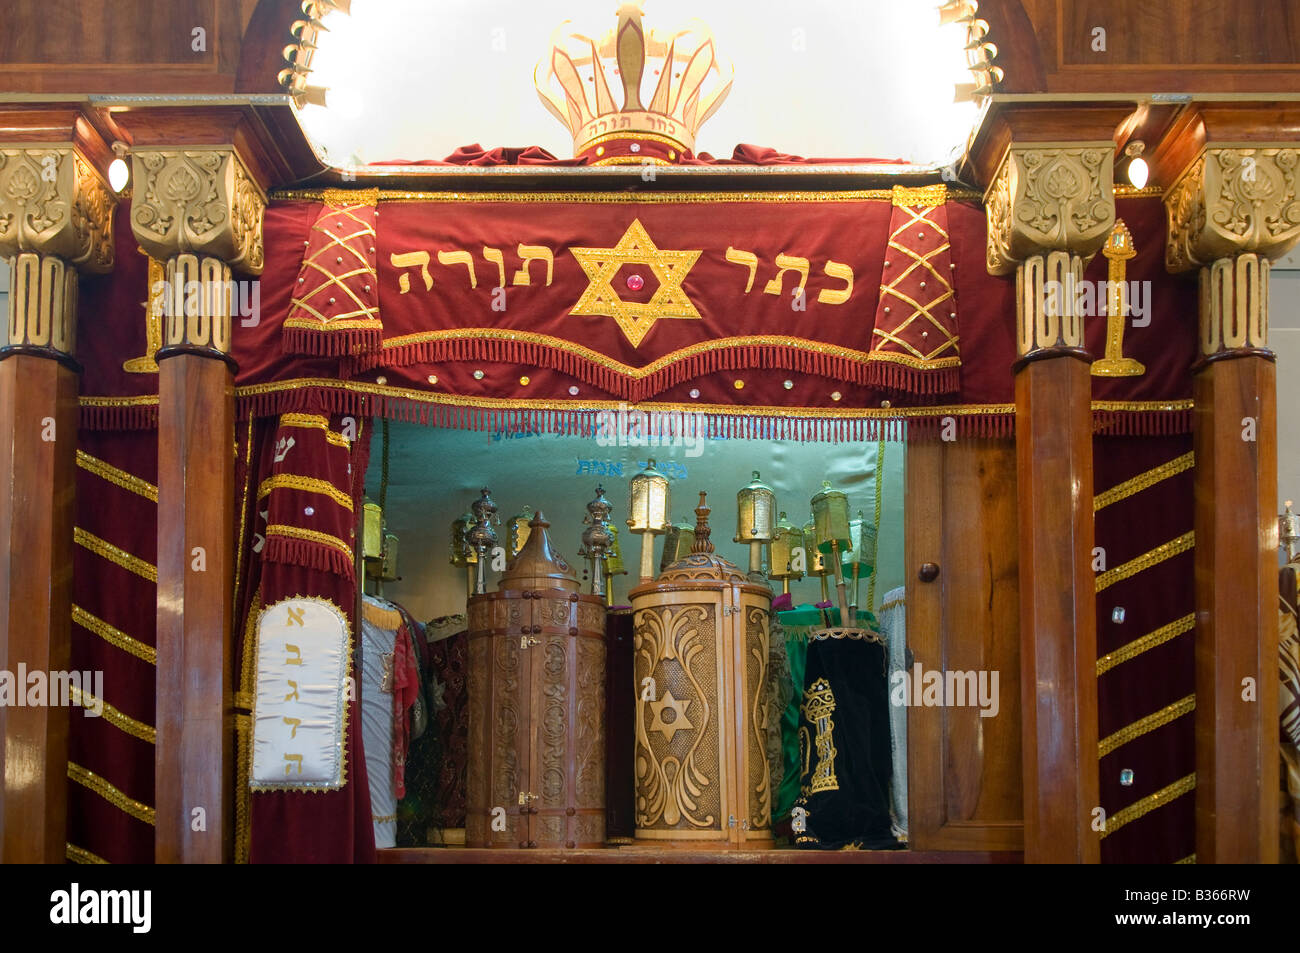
<point x="845" y="751"/>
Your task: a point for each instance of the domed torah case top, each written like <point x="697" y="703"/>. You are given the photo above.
<point x="700" y="650"/>
<point x="536" y="684"/>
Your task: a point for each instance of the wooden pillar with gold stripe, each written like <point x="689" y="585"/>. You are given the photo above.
<point x="1049" y="206"/>
<point x="56" y="215"/>
<point x="199" y="209"/>
<point x="1230" y="211"/>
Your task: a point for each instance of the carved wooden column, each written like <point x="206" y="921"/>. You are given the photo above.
<point x="199" y="209"/>
<point x="1049" y="207"/>
<point x="55" y="219"/>
<point x="1230" y="212"/>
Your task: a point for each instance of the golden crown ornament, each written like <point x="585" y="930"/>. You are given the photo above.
<point x="573" y="81"/>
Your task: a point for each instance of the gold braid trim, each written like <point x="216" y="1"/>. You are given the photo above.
<point x="350" y="198"/>
<point x="114" y="636"/>
<point x="316" y="422"/>
<point x="325" y="539"/>
<point x="117" y="719"/>
<point x="1189" y="859"/>
<point x="110" y="552"/>
<point x="1135" y="648"/>
<point x="1149" y="804"/>
<point x="509" y="403"/>
<point x="923" y="363"/>
<point x="88" y="779"/>
<point x="929" y="196"/>
<point x="292" y="481"/>
<point x="1158" y="555"/>
<point x="627" y="370"/>
<point x="117" y="477"/>
<point x="1142" y="726"/>
<point x="1142" y="481"/>
<point x="1142" y="406"/>
<point x="79" y="855"/>
<point x="145" y="400"/>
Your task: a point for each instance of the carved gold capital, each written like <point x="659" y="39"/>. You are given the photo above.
<point x="197" y="302"/>
<point x="199" y="202"/>
<point x="53" y="202"/>
<point x="1050" y="198"/>
<point x="1046" y="293"/>
<point x="1234" y="305"/>
<point x="1231" y="201"/>
<point x="42" y="303"/>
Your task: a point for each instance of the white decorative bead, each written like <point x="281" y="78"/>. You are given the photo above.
<point x="339" y="260"/>
<point x="924" y="335"/>
<point x="636" y="147"/>
<point x="920" y="234"/>
<point x="433" y="378"/>
<point x="381" y="380"/>
<point x="478" y="375"/>
<point x="836" y="395"/>
<point x="573" y="390"/>
<point x="1117" y="614"/>
<point x="309" y="510"/>
<point x="331" y="300"/>
<point x="923" y="284"/>
<point x="695" y="392"/>
<point x="787" y="384"/>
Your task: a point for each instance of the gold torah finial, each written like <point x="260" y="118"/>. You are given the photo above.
<point x="1117" y="250"/>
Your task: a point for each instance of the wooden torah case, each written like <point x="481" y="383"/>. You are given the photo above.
<point x="536" y="683"/>
<point x="700" y="641"/>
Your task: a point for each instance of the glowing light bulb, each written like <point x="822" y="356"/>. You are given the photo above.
<point x="1138" y="172"/>
<point x="118" y="174"/>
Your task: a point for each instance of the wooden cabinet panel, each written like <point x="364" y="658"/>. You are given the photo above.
<point x="964" y="769"/>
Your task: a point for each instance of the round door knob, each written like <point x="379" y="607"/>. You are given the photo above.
<point x="928" y="572"/>
<point x="570" y="811"/>
<point x="573" y="597"/>
<point x="573" y="630"/>
<point x="527" y="595"/>
<point x="537" y="630"/>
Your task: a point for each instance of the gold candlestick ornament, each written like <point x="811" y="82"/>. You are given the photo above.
<point x="462" y="553"/>
<point x="831" y="518"/>
<point x="817" y="565"/>
<point x="786" y="538"/>
<point x="648" y="512"/>
<point x="755" y="507"/>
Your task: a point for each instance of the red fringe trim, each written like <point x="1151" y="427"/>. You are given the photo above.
<point x="952" y="426"/>
<point x="890" y="376"/>
<point x="323" y="342"/>
<point x="1146" y="423"/>
<point x="620" y="385"/>
<point x="305" y="552"/>
<point x="133" y="417"/>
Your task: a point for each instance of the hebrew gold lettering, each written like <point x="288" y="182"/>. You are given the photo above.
<point x="292" y="759"/>
<point x="293" y="723"/>
<point x="293" y="695"/>
<point x="295" y="615"/>
<point x="495" y="256"/>
<point x="786" y="263"/>
<point x="738" y="256"/>
<point x="411" y="259"/>
<point x="296" y="651"/>
<point x="529" y="254"/>
<point x="460" y="257"/>
<point x="837" y="269"/>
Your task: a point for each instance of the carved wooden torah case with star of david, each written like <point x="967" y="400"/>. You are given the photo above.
<point x="536" y="753"/>
<point x="700" y="657"/>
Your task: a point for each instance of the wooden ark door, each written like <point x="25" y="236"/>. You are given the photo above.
<point x="964" y="769"/>
<point x="499" y="675"/>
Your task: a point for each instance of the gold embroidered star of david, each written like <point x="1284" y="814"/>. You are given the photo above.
<point x="679" y="721"/>
<point x="636" y="318"/>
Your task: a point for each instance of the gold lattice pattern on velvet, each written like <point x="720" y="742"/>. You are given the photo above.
<point x="917" y="286"/>
<point x="337" y="287"/>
